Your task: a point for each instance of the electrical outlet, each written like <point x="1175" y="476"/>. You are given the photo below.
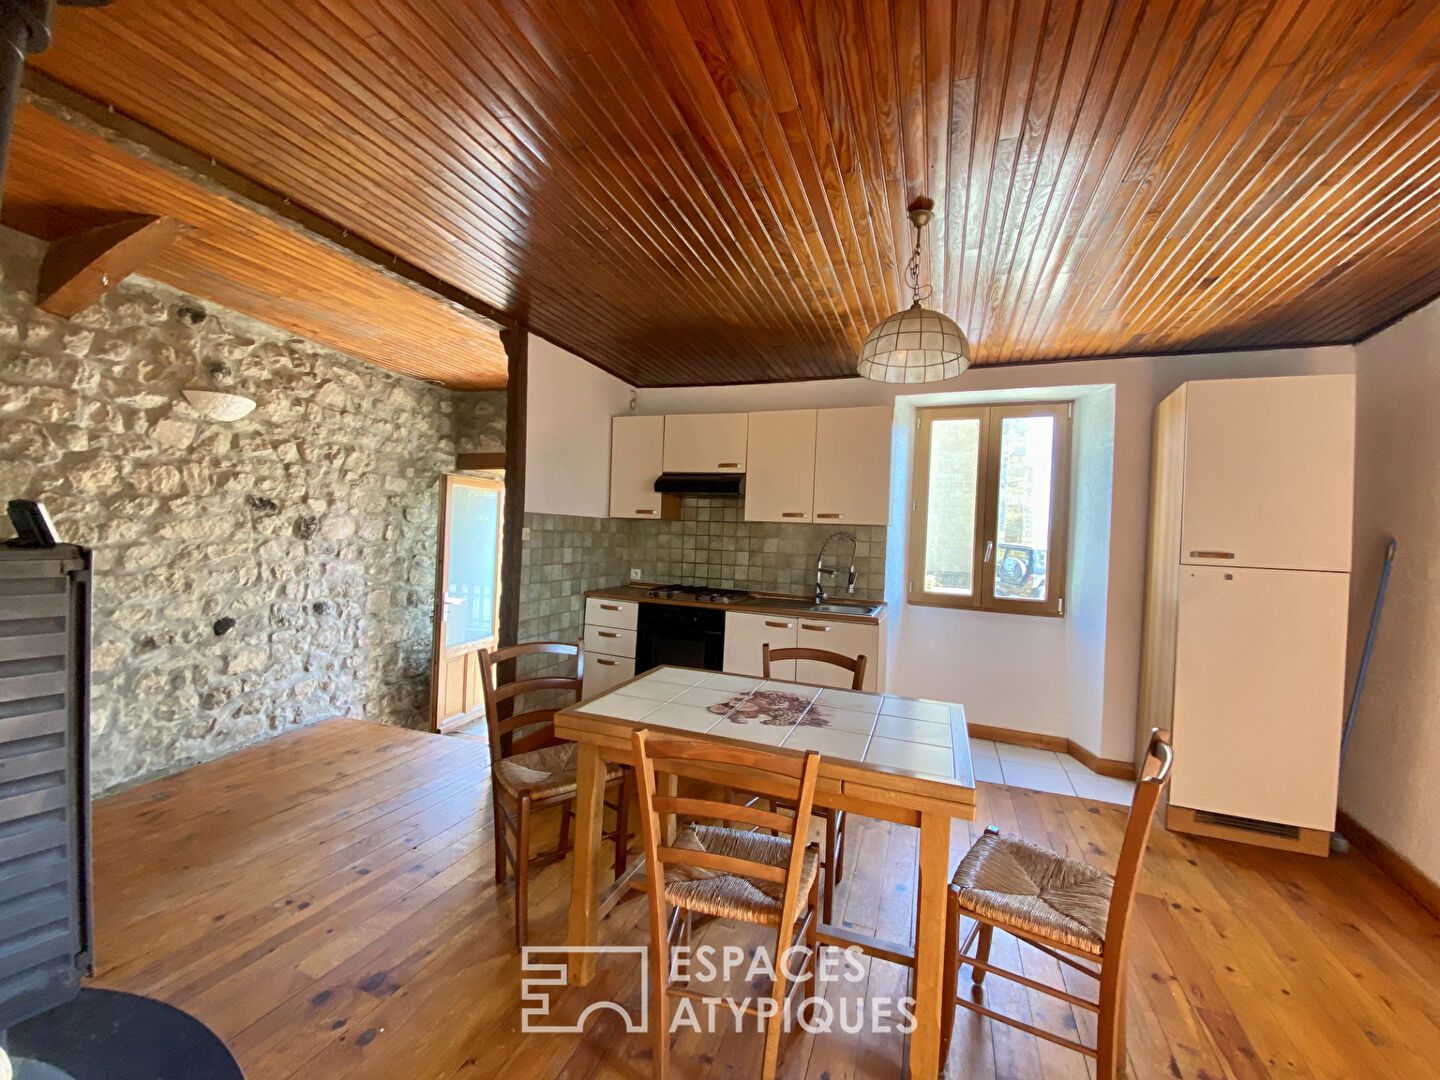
<point x="525" y="533"/>
<point x="634" y="573"/>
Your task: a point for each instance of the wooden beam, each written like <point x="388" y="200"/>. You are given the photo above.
<point x="517" y="354"/>
<point x="79" y="269"/>
<point x="88" y="115"/>
<point x="480" y="462"/>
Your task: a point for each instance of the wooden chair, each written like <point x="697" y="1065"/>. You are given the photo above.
<point x="1062" y="907"/>
<point x="536" y="771"/>
<point x="746" y="875"/>
<point x="833" y="860"/>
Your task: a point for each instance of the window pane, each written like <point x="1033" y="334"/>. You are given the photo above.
<point x="950" y="514"/>
<point x="470" y="588"/>
<point x="1022" y="516"/>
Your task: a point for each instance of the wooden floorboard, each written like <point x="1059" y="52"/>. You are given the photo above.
<point x="326" y="902"/>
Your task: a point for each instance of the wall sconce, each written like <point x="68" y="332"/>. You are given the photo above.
<point x="218" y="405"/>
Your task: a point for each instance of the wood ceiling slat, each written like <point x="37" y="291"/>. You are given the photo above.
<point x="1231" y="167"/>
<point x="1259" y="218"/>
<point x="706" y="191"/>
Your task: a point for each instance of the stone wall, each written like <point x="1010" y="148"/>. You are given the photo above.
<point x="250" y="576"/>
<point x="480" y="422"/>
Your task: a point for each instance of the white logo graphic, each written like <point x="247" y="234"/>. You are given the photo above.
<point x="535" y="999"/>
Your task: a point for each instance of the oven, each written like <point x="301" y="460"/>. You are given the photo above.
<point x="680" y="636"/>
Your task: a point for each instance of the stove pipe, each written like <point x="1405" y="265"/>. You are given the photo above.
<point x="24" y="29"/>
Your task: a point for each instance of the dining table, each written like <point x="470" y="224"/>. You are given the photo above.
<point x="891" y="758"/>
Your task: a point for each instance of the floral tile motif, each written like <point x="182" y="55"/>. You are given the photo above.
<point x="774" y="708"/>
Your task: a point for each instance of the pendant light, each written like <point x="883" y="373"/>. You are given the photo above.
<point x="915" y="345"/>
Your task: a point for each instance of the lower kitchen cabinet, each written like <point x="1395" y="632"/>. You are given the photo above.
<point x="745" y="638"/>
<point x="609" y="643"/>
<point x="747" y="632"/>
<point x="604" y="672"/>
<point x="847" y="638"/>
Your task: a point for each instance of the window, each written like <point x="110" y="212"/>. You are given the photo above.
<point x="989" y="514"/>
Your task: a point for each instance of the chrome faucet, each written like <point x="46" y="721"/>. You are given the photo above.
<point x="821" y="569"/>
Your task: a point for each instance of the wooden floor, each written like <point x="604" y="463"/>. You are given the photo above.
<point x="326" y="903"/>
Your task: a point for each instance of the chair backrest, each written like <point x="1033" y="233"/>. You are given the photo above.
<point x="840" y="660"/>
<point x="541" y="719"/>
<point x="1153" y="777"/>
<point x="732" y="766"/>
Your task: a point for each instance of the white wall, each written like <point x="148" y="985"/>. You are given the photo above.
<point x="980" y="658"/>
<point x="567" y="437"/>
<point x="1390" y="781"/>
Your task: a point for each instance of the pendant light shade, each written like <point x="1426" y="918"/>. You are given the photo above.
<point x="915" y="345"/>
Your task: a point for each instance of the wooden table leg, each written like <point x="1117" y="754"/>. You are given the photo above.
<point x="589" y="824"/>
<point x="929" y="945"/>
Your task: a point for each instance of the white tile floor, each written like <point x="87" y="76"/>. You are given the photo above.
<point x="1044" y="770"/>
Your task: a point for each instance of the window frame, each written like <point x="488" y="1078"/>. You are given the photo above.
<point x="987" y="485"/>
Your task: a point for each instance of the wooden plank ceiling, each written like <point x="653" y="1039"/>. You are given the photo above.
<point x="62" y="179"/>
<point x="700" y="192"/>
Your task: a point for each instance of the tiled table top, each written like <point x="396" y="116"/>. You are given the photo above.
<point x="925" y="738"/>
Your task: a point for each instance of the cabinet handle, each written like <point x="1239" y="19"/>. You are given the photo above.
<point x="728" y="465"/>
<point x="609" y="607"/>
<point x="1212" y="554"/>
<point x="836" y="517"/>
<point x="793" y="513"/>
<point x="607" y="633"/>
<point x="645" y="511"/>
<point x="811" y="626"/>
<point x="605" y="663"/>
<point x="778" y="625"/>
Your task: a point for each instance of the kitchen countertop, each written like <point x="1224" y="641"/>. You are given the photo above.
<point x="758" y="604"/>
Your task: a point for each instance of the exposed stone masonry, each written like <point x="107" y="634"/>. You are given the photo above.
<point x="250" y="576"/>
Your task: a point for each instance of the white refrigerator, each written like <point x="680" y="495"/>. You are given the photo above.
<point x="1248" y="600"/>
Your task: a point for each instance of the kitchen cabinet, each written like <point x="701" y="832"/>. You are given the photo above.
<point x="746" y="634"/>
<point x="1269" y="472"/>
<point x="705" y="443"/>
<point x="637" y="446"/>
<point x="609" y="643"/>
<point x="780" y="466"/>
<point x="852" y="465"/>
<point x="846" y="638"/>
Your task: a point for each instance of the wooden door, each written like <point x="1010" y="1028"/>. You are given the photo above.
<point x="841" y="636"/>
<point x="1259" y="693"/>
<point x="780" y="466"/>
<point x="745" y="637"/>
<point x="1269" y="472"/>
<point x="637" y="446"/>
<point x="852" y="465"/>
<point x="467" y="599"/>
<point x="705" y="443"/>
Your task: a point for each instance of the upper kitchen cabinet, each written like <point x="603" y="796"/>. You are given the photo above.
<point x="637" y="447"/>
<point x="1269" y="472"/>
<point x="705" y="443"/>
<point x="780" y="476"/>
<point x="852" y="465"/>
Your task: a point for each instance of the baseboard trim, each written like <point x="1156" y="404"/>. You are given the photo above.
<point x="1306" y="842"/>
<point x="1058" y="743"/>
<point x="1394" y="865"/>
<point x="1120" y="770"/>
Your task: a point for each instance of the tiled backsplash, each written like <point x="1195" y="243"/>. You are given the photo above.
<point x="710" y="545"/>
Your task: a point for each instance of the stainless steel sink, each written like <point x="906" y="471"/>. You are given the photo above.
<point x="829" y="607"/>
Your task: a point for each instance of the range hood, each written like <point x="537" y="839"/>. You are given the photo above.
<point x="690" y="483"/>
